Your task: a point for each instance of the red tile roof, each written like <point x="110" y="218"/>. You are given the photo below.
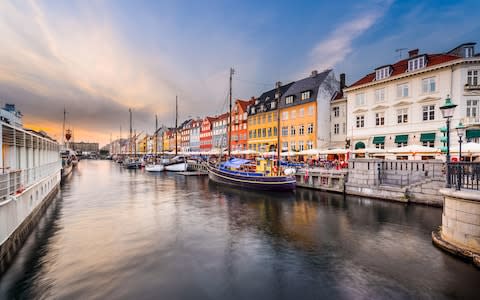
<point x="401" y="66"/>
<point x="245" y="103"/>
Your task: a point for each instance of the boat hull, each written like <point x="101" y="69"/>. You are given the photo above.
<point x="264" y="183"/>
<point x="135" y="165"/>
<point x="177" y="167"/>
<point x="154" y="168"/>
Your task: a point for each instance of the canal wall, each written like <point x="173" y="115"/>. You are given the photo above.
<point x="20" y="213"/>
<point x="322" y="179"/>
<point x="398" y="180"/>
<point x="460" y="230"/>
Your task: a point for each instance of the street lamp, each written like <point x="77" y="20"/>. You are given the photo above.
<point x="447" y="112"/>
<point x="460" y="132"/>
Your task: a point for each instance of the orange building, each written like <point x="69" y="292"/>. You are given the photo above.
<point x="239" y="124"/>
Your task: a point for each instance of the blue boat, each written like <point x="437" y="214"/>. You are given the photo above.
<point x="231" y="173"/>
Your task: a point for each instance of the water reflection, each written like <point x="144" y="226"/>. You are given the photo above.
<point x="121" y="234"/>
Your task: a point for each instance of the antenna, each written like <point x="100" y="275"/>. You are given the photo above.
<point x="399" y="51"/>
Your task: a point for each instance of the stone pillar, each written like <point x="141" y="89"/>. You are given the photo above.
<point x="460" y="230"/>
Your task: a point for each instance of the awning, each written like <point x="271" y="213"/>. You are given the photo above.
<point x="427" y="137"/>
<point x="403" y="138"/>
<point x="359" y="145"/>
<point x="473" y="133"/>
<point x="379" y="140"/>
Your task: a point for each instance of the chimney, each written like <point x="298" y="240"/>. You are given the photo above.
<point x="314" y="73"/>
<point x="342" y="81"/>
<point x="413" y="53"/>
<point x="278" y="84"/>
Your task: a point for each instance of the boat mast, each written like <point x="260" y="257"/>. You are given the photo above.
<point x="156" y="135"/>
<point x="232" y="71"/>
<point x="278" y="127"/>
<point x="120" y="141"/>
<point x="63" y="128"/>
<point x="176" y="124"/>
<point x="130" y="137"/>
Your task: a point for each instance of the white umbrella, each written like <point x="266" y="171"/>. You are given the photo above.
<point x="334" y="151"/>
<point x="309" y="152"/>
<point x="289" y="153"/>
<point x="467" y="147"/>
<point x="414" y="149"/>
<point x="369" y="150"/>
<point x="271" y="153"/>
<point x="248" y="151"/>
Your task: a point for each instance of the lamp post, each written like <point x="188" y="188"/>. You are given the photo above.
<point x="460" y="132"/>
<point x="447" y="110"/>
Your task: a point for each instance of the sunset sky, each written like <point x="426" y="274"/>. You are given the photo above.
<point x="98" y="58"/>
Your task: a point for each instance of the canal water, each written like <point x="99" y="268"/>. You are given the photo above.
<point x="125" y="234"/>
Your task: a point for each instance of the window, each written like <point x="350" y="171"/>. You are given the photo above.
<point x="245" y="116"/>
<point x="292" y="146"/>
<point x="285" y="115"/>
<point x="310" y="110"/>
<point x="380" y="146"/>
<point x="382" y="73"/>
<point x="360" y="121"/>
<point x="285" y="131"/>
<point x="472" y="78"/>
<point x="402" y="144"/>
<point x="379" y="119"/>
<point x="336" y="129"/>
<point x="336" y="111"/>
<point x="428" y="112"/>
<point x="416" y="63"/>
<point x="269" y="118"/>
<point x="293" y="114"/>
<point x="360" y="99"/>
<point x="300" y="146"/>
<point x="264" y="132"/>
<point x="301" y="112"/>
<point x="468" y="52"/>
<point x="472" y="108"/>
<point x="402" y="115"/>
<point x="285" y="146"/>
<point x="301" y="130"/>
<point x="309" y="145"/>
<point x="275" y="131"/>
<point x="289" y="100"/>
<point x="269" y="131"/>
<point x="305" y="95"/>
<point x="380" y="95"/>
<point x="292" y="130"/>
<point x="428" y="85"/>
<point x="428" y="144"/>
<point x="259" y="132"/>
<point x="273" y="105"/>
<point x="402" y="90"/>
<point x="310" y="128"/>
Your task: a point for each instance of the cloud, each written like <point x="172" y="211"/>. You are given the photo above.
<point x="339" y="43"/>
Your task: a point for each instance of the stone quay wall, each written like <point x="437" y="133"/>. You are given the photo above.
<point x="460" y="231"/>
<point x="398" y="180"/>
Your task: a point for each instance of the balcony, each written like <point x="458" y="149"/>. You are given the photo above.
<point x="469" y="87"/>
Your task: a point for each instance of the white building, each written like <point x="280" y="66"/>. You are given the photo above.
<point x="399" y="104"/>
<point x="338" y="118"/>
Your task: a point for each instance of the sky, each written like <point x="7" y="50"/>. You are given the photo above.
<point x="99" y="58"/>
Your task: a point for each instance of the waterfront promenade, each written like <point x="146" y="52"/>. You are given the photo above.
<point x="113" y="233"/>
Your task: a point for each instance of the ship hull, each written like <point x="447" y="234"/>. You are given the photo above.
<point x="154" y="168"/>
<point x="177" y="167"/>
<point x="263" y="183"/>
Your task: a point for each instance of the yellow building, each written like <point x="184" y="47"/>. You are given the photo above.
<point x="305" y="112"/>
<point x="142" y="144"/>
<point x="262" y="121"/>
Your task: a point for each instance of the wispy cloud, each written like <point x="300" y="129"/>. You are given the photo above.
<point x="332" y="50"/>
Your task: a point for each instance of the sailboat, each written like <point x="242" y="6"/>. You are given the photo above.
<point x="256" y="175"/>
<point x="177" y="163"/>
<point x="155" y="166"/>
<point x="131" y="162"/>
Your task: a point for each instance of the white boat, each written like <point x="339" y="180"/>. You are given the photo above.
<point x="177" y="164"/>
<point x="154" y="168"/>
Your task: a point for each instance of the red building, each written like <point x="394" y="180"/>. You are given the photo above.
<point x="239" y="124"/>
<point x="206" y="134"/>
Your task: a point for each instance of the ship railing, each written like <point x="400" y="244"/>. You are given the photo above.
<point x="16" y="181"/>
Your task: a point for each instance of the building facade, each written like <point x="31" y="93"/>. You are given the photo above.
<point x="184" y="133"/>
<point x="305" y="112"/>
<point x="262" y="120"/>
<point x="338" y="118"/>
<point x="206" y="134"/>
<point x="84" y="147"/>
<point x="220" y="131"/>
<point x="195" y="135"/>
<point x="399" y="104"/>
<point x="240" y="124"/>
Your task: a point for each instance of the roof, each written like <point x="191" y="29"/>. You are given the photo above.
<point x="310" y="83"/>
<point x="400" y="67"/>
<point x="266" y="99"/>
<point x="244" y="103"/>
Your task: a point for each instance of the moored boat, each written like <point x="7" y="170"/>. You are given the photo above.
<point x="177" y="164"/>
<point x="154" y="167"/>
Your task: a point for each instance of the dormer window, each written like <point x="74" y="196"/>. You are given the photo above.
<point x="468" y="52"/>
<point x="262" y="107"/>
<point x="289" y="100"/>
<point x="257" y="101"/>
<point x="383" y="73"/>
<point x="253" y="110"/>
<point x="416" y="64"/>
<point x="305" y="95"/>
<point x="277" y="95"/>
<point x="273" y="104"/>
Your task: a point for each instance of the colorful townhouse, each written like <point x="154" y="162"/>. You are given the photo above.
<point x="240" y="124"/>
<point x="184" y="135"/>
<point x="398" y="104"/>
<point x="220" y="131"/>
<point x="206" y="134"/>
<point x="262" y="120"/>
<point x="305" y="112"/>
<point x="195" y="135"/>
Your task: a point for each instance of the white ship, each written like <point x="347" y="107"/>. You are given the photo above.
<point x="30" y="167"/>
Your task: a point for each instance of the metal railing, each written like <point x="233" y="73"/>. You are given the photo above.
<point x="464" y="175"/>
<point x="16" y="181"/>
